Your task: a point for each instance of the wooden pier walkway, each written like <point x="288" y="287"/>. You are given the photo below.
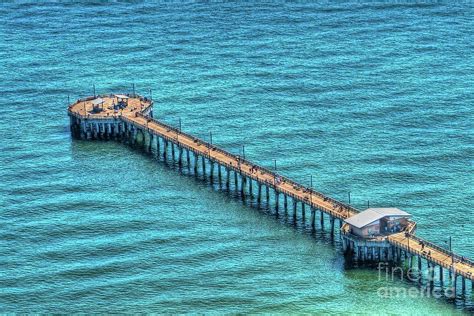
<point x="137" y="118"/>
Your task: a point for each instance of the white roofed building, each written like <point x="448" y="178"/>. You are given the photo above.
<point x="378" y="222"/>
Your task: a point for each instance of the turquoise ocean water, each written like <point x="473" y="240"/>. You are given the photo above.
<point x="374" y="99"/>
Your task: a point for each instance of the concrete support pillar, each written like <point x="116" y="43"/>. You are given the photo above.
<point x="441" y="275"/>
<point x="463" y="284"/>
<point x="295" y="205"/>
<point x="236" y="181"/>
<point x="322" y="219"/>
<point x="165" y="149"/>
<point x="134" y="135"/>
<point x="211" y="170"/>
<point x="420" y="272"/>
<point x="277" y="200"/>
<point x="227" y="181"/>
<point x="180" y="156"/>
<point x="267" y="189"/>
<point x="431" y="272"/>
<point x="243" y="184"/>
<point x="83" y="130"/>
<point x="219" y="173"/>
<point x="196" y="161"/>
<point x="331" y="221"/>
<point x="150" y="142"/>
<point x="188" y="159"/>
<point x="303" y="211"/>
<point x="313" y="217"/>
<point x="173" y="157"/>
<point x="157" y="146"/>
<point x="259" y="194"/>
<point x="203" y="162"/>
<point x="455" y="283"/>
<point x="285" y="202"/>
<point x="250" y="187"/>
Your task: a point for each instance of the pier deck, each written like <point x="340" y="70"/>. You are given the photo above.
<point x="136" y="117"/>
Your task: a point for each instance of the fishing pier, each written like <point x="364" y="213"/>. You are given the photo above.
<point x="129" y="118"/>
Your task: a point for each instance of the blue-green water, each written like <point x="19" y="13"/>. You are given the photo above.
<point x="373" y="99"/>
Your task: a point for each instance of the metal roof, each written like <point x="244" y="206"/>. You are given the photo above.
<point x="371" y="215"/>
<point x="121" y="96"/>
<point x="389" y="211"/>
<point x="97" y="101"/>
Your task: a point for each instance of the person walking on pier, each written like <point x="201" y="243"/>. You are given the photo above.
<point x="422" y="245"/>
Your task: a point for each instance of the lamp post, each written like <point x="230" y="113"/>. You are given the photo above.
<point x="243" y="151"/>
<point x="210" y="144"/>
<point x="349" y="195"/>
<point x="451" y="250"/>
<point x="179" y="129"/>
<point x="275" y="161"/>
<point x="311" y="190"/>
<point x="407" y="235"/>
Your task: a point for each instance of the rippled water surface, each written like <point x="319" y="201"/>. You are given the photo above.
<point x="372" y="99"/>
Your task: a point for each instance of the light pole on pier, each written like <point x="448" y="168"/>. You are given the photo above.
<point x="349" y="195"/>
<point x="451" y="250"/>
<point x="311" y="190"/>
<point x="93" y="87"/>
<point x="407" y="235"/>
<point x="243" y="151"/>
<point x="210" y="144"/>
<point x="275" y="164"/>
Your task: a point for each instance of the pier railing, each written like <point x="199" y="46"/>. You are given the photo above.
<point x="451" y="264"/>
<point x="263" y="170"/>
<point x="443" y="250"/>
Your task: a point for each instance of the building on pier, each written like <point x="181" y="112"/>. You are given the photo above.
<point x="97" y="105"/>
<point x="375" y="222"/>
<point x="365" y="235"/>
<point x="122" y="101"/>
